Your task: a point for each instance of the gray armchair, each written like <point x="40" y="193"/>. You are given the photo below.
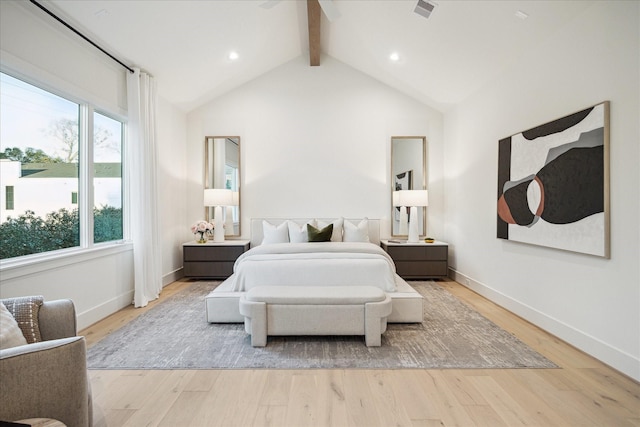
<point x="48" y="379"/>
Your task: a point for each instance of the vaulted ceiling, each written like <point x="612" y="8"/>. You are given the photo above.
<point x="440" y="60"/>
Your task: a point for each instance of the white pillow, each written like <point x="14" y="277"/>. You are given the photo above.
<point x="10" y="333"/>
<point x="298" y="232"/>
<point x="274" y="234"/>
<point x="337" y="228"/>
<point x="356" y="233"/>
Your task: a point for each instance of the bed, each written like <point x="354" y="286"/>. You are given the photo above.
<point x="280" y="256"/>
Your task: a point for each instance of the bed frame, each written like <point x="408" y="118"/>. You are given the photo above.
<point x="222" y="304"/>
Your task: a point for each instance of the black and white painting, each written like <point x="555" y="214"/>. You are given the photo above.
<point x="553" y="184"/>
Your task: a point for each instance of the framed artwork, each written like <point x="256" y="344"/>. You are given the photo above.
<point x="553" y="184"/>
<point x="403" y="181"/>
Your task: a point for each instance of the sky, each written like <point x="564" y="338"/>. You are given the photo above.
<point x="27" y="114"/>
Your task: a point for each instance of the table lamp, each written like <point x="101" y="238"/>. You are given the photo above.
<point x="413" y="199"/>
<point x="218" y="197"/>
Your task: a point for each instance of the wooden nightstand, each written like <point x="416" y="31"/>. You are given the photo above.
<point x="419" y="260"/>
<point x="211" y="260"/>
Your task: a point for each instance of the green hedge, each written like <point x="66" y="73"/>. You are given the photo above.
<point x="30" y="234"/>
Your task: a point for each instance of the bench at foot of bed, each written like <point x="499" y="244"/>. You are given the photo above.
<point x="222" y="304"/>
<point x="315" y="310"/>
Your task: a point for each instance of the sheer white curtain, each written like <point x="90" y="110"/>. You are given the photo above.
<point x="143" y="194"/>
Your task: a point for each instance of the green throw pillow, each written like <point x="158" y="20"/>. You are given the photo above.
<point x="316" y="235"/>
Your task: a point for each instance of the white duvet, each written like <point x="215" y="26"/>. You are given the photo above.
<point x="314" y="264"/>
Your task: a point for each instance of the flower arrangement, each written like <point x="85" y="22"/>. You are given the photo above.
<point x="202" y="228"/>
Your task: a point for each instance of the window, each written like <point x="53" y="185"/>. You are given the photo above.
<point x="42" y="155"/>
<point x="9" y="197"/>
<point x="107" y="179"/>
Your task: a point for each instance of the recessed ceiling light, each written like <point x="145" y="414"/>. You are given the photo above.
<point x="522" y="15"/>
<point x="395" y="57"/>
<point x="233" y="55"/>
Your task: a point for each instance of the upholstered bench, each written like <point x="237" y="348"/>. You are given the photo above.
<point x="315" y="310"/>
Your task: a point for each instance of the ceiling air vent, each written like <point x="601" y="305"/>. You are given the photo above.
<point x="424" y="8"/>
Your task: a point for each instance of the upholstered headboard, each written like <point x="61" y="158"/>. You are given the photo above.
<point x="256" y="227"/>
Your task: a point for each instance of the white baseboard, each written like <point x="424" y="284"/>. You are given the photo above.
<point x="171" y="277"/>
<point x="614" y="357"/>
<point x="97" y="313"/>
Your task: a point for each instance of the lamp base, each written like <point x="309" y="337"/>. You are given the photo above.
<point x="413" y="236"/>
<point x="218" y="231"/>
<point x="403" y="221"/>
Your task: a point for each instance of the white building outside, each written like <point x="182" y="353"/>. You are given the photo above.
<point x="48" y="187"/>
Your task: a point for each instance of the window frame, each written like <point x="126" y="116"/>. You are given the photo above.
<point x="86" y="249"/>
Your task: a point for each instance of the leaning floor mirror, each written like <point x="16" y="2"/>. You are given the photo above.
<point x="222" y="170"/>
<point x="408" y="172"/>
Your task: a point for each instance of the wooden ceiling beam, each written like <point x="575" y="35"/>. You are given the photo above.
<point x="313" y="17"/>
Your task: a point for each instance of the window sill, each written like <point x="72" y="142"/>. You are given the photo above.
<point x="14" y="268"/>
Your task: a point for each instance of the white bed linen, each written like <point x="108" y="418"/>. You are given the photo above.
<point x="314" y="264"/>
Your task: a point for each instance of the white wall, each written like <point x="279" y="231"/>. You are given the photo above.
<point x="99" y="282"/>
<point x="592" y="303"/>
<point x="315" y="142"/>
<point x="172" y="198"/>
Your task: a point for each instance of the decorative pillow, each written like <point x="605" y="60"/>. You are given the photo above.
<point x="298" y="232"/>
<point x="25" y="311"/>
<point x="356" y="233"/>
<point x="337" y="228"/>
<point x="323" y="235"/>
<point x="274" y="234"/>
<point x="10" y="333"/>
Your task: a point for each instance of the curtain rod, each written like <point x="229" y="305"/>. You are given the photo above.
<point x="48" y="12"/>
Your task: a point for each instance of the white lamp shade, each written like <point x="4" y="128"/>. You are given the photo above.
<point x="218" y="197"/>
<point x="236" y="198"/>
<point x="411" y="198"/>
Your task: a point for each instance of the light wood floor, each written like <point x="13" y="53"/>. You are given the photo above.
<point x="583" y="392"/>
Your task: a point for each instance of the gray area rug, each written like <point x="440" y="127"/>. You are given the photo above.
<point x="176" y="335"/>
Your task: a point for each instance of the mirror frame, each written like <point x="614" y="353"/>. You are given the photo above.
<point x="423" y="184"/>
<point x="207" y="178"/>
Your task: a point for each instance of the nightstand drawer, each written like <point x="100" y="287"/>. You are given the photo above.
<point x="420" y="269"/>
<point x="212" y="253"/>
<point x="208" y="269"/>
<point x="418" y="253"/>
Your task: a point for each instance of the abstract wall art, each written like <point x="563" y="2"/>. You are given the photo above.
<point x="553" y="184"/>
